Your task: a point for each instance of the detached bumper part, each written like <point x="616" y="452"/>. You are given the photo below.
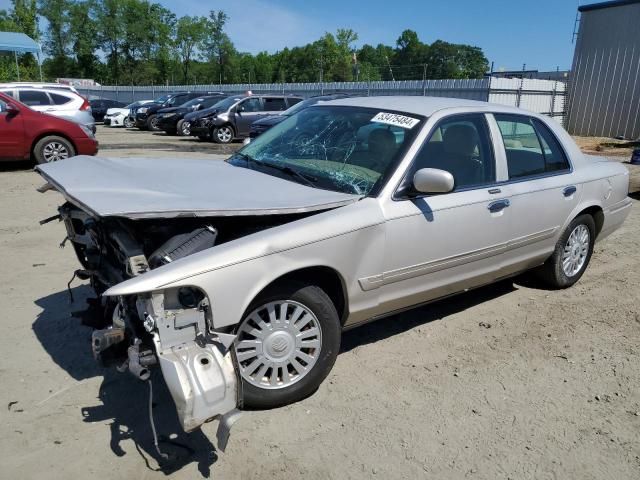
<point x="197" y="366"/>
<point x="202" y="382"/>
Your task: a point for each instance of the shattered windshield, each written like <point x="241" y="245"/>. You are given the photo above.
<point x="345" y="149"/>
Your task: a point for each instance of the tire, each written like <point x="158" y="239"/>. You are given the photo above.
<point x="53" y="148"/>
<point x="128" y="123"/>
<point x="183" y="128"/>
<point x="152" y="123"/>
<point x="279" y="348"/>
<point x="571" y="255"/>
<point x="223" y="134"/>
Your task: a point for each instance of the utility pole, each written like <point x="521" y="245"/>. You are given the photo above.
<point x="390" y="69"/>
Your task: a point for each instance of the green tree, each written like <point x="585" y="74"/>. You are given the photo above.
<point x="191" y="33"/>
<point x="56" y="37"/>
<point x="84" y="36"/>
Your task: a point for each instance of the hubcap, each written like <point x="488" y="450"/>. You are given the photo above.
<point x="54" y="151"/>
<point x="278" y="344"/>
<point x="225" y="135"/>
<point x="186" y="128"/>
<point x="576" y="250"/>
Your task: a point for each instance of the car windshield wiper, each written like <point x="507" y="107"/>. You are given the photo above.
<point x="308" y="179"/>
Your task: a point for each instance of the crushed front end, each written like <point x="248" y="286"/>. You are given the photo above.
<point x="170" y="328"/>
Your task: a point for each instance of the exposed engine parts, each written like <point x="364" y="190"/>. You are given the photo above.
<point x="170" y="328"/>
<point x="182" y="245"/>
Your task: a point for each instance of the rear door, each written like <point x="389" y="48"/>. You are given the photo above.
<point x="37" y="100"/>
<point x="540" y="186"/>
<point x="11" y="134"/>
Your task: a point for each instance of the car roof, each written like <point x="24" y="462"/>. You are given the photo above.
<point x="40" y="89"/>
<point x="426" y="106"/>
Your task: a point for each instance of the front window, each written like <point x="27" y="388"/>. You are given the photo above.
<point x="345" y="149"/>
<point x="250" y="105"/>
<point x="461" y="145"/>
<point x="162" y="99"/>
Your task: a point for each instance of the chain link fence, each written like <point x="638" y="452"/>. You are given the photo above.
<point x="541" y="96"/>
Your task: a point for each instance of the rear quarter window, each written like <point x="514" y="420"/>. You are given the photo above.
<point x="59" y="99"/>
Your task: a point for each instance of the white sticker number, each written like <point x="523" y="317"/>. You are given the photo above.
<point x="396" y="120"/>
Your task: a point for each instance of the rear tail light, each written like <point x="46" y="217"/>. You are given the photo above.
<point x="85" y="104"/>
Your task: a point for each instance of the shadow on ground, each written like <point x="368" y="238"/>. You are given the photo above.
<point x="16" y="166"/>
<point x="407" y="320"/>
<point x="123" y="400"/>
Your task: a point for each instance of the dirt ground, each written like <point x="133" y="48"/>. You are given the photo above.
<point x="509" y="381"/>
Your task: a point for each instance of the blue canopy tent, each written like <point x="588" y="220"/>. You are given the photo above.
<point x="20" y="43"/>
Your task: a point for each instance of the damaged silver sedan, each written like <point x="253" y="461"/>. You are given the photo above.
<point x="237" y="277"/>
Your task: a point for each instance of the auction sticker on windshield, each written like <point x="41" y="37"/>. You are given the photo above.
<point x="396" y="120"/>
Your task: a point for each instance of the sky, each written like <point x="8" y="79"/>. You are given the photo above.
<point x="510" y="32"/>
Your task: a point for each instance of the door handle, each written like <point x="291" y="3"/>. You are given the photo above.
<point x="568" y="191"/>
<point x="498" y="205"/>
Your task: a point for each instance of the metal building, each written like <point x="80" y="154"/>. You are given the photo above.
<point x="604" y="86"/>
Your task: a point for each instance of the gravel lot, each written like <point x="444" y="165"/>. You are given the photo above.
<point x="509" y="381"/>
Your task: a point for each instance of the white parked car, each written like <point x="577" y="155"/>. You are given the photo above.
<point x="60" y="103"/>
<point x="120" y="117"/>
<point x="50" y="86"/>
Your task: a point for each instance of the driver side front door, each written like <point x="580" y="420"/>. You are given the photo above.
<point x="11" y="134"/>
<point x="437" y="245"/>
<point x="247" y="112"/>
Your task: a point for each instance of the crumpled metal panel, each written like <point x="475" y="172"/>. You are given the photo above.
<point x="174" y="187"/>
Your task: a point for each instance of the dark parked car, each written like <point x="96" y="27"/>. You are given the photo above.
<point x="171" y="119"/>
<point x="232" y="117"/>
<point x="26" y="133"/>
<point x="99" y="107"/>
<point x="146" y="117"/>
<point x="263" y="124"/>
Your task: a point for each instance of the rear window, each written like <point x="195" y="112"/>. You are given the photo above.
<point x="530" y="146"/>
<point x="59" y="99"/>
<point x="274" y="104"/>
<point x="33" y="98"/>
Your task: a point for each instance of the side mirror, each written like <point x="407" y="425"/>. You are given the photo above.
<point x="433" y="180"/>
<point x="11" y="109"/>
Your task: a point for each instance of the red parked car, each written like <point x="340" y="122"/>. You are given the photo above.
<point x="26" y="134"/>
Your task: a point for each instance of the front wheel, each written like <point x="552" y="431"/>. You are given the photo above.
<point x="152" y="123"/>
<point x="223" y="134"/>
<point x="183" y="128"/>
<point x="52" y="149"/>
<point x="571" y="255"/>
<point x="286" y="345"/>
<point x="128" y="122"/>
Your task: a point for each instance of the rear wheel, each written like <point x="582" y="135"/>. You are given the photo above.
<point x="52" y="149"/>
<point x="223" y="134"/>
<point x="572" y="254"/>
<point x="286" y="345"/>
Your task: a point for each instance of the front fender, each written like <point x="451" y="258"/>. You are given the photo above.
<point x="347" y="239"/>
